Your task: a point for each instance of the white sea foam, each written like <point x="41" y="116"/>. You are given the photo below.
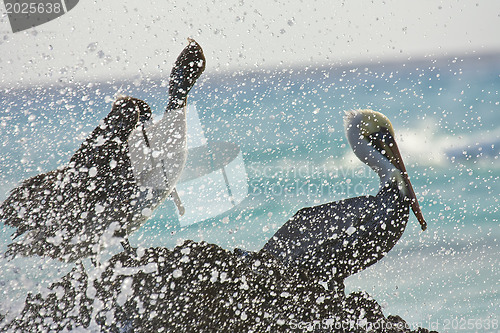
<point x="427" y="145"/>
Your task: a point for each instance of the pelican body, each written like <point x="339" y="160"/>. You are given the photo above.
<point x="74" y="211"/>
<point x="158" y="151"/>
<point x="335" y="240"/>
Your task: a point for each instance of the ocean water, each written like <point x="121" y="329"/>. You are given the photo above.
<point x="287" y="127"/>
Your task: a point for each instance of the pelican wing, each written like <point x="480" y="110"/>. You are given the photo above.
<point x="338" y="239"/>
<point x="298" y="239"/>
<point x="28" y="198"/>
<point x="64" y="212"/>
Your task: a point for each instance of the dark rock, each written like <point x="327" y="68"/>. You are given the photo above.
<point x="65" y="308"/>
<point x="199" y="287"/>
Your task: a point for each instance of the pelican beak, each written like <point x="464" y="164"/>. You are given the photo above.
<point x="393" y="154"/>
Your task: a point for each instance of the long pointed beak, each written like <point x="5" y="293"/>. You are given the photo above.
<point x="396" y="159"/>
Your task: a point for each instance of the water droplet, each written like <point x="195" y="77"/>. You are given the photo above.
<point x="92" y="47"/>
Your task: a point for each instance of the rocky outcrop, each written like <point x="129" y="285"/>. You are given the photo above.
<point x="198" y="287"/>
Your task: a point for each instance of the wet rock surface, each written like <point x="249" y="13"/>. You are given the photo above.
<point x="198" y="287"/>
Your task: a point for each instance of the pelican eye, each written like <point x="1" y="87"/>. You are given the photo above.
<point x="382" y="135"/>
<point x="380" y="140"/>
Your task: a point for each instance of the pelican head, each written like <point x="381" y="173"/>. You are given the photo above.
<point x="371" y="137"/>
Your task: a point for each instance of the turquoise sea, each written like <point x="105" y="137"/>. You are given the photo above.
<point x="287" y="123"/>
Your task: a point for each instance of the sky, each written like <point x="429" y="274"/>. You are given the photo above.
<point x="114" y="39"/>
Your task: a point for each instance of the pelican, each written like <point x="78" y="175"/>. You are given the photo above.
<point x="158" y="151"/>
<point x="335" y="240"/>
<point x="76" y="210"/>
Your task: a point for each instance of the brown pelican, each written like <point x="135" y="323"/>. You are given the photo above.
<point x="338" y="239"/>
<point x="158" y="151"/>
<point x="72" y="212"/>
